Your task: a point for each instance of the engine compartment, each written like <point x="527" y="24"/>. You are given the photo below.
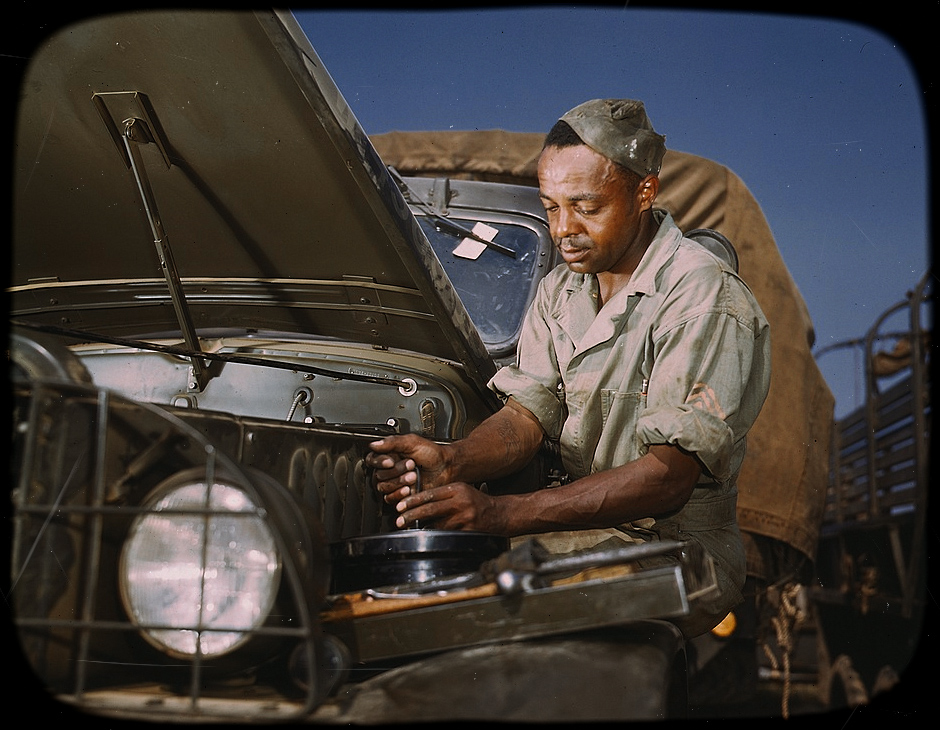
<point x="428" y="398"/>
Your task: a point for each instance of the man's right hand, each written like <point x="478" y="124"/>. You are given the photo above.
<point x="396" y="460"/>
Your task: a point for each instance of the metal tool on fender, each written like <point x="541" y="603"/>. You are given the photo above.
<point x="526" y="567"/>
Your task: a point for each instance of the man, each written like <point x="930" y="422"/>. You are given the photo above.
<point x="644" y="356"/>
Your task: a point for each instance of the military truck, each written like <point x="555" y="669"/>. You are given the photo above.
<point x="870" y="596"/>
<point x="221" y="291"/>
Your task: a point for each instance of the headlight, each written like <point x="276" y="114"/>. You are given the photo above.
<point x="209" y="576"/>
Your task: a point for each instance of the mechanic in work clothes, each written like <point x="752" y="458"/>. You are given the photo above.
<point x="644" y="356"/>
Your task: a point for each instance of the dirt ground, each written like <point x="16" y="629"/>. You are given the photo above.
<point x="904" y="704"/>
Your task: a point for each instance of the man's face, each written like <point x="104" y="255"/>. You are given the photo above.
<point x="593" y="210"/>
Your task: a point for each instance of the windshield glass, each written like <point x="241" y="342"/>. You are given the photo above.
<point x="494" y="287"/>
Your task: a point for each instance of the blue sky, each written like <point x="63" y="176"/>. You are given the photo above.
<point x="822" y="118"/>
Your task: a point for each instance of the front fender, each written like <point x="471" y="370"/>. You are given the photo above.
<point x="632" y="672"/>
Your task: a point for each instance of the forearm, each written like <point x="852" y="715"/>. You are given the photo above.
<point x="657" y="483"/>
<point x="502" y="444"/>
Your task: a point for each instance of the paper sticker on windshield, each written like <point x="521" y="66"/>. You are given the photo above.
<point x="469" y="248"/>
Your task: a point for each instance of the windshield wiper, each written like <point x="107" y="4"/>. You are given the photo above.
<point x="441" y="222"/>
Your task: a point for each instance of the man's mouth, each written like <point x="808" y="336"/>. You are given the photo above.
<point x="572" y="251"/>
<point x="573" y="255"/>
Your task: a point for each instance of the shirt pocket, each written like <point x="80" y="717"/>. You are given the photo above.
<point x="621" y="408"/>
<point x="618" y="440"/>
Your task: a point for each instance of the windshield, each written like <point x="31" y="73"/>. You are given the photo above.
<point x="494" y="287"/>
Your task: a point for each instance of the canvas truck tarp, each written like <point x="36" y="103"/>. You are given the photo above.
<point x="783" y="480"/>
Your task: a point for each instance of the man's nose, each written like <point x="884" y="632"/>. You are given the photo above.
<point x="564" y="225"/>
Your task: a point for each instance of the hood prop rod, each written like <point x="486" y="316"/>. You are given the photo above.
<point x="133" y="132"/>
<point x="136" y="133"/>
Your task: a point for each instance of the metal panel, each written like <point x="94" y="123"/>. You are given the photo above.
<point x="656" y="593"/>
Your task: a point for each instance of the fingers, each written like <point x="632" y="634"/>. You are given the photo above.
<point x="390" y="457"/>
<point x="396" y="445"/>
<point x="382" y="446"/>
<point x="395" y="461"/>
<point x="424" y="506"/>
<point x="402" y="472"/>
<point x="383" y="454"/>
<point x="396" y="479"/>
<point x="455" y="506"/>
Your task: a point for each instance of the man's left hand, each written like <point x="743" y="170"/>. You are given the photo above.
<point x="456" y="506"/>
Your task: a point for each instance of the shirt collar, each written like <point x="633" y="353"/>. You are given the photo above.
<point x="661" y="249"/>
<point x="643" y="280"/>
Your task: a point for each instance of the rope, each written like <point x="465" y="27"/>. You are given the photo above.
<point x="790" y="616"/>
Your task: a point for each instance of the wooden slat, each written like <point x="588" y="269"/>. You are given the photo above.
<point x="895" y="451"/>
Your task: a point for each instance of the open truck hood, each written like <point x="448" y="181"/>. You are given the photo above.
<point x="201" y="169"/>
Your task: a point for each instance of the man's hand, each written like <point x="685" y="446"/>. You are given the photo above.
<point x="500" y="445"/>
<point x="456" y="506"/>
<point x="396" y="460"/>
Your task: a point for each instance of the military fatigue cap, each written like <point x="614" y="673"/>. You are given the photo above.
<point x="620" y="130"/>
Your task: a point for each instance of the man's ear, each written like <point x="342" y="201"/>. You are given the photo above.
<point x="647" y="191"/>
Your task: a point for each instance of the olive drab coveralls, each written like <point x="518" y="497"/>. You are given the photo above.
<point x="681" y="355"/>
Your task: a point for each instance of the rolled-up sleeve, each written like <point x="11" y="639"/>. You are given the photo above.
<point x="511" y="382"/>
<point x="709" y="381"/>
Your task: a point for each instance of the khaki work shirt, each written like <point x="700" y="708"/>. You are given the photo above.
<point x="681" y="356"/>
